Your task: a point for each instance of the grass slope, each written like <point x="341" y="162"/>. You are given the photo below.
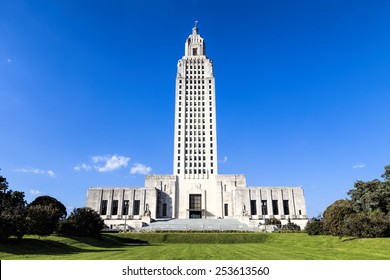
<point x="128" y="247"/>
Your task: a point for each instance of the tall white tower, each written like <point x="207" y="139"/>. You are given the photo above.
<point x="195" y="144"/>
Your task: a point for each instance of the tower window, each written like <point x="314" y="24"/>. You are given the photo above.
<point x="194" y="51"/>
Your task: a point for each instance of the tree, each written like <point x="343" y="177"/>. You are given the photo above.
<point x="367" y="225"/>
<point x="51" y="202"/>
<point x="315" y="226"/>
<point x="335" y="215"/>
<point x="370" y="196"/>
<point x="12" y="212"/>
<point x="81" y="222"/>
<point x="44" y="214"/>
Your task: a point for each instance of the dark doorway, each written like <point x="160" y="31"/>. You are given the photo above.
<point x="195" y="206"/>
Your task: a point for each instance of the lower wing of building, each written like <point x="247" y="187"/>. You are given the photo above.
<point x="219" y="197"/>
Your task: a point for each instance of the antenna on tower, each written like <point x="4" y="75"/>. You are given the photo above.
<point x="196" y="23"/>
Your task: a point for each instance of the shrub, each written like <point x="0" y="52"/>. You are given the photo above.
<point x="315" y="227"/>
<point x="81" y="222"/>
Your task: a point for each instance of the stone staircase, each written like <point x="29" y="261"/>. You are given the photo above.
<point x="198" y="225"/>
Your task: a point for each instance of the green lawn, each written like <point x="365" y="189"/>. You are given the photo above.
<point x="262" y="247"/>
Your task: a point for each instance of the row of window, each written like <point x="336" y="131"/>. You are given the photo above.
<point x="191" y="81"/>
<point x="189" y="66"/>
<point x="200" y="139"/>
<point x="200" y="109"/>
<point x="194" y="151"/>
<point x="193" y="61"/>
<point x="264" y="207"/>
<point x="196" y="87"/>
<point x="194" y="158"/>
<point x="195" y="203"/>
<point x="194" y="164"/>
<point x="190" y="99"/>
<point x="191" y="120"/>
<point x="194" y="92"/>
<point x="180" y="81"/>
<point x="194" y="126"/>
<point x="115" y="206"/>
<point x="194" y="72"/>
<point x="194" y="115"/>
<point x="200" y="145"/>
<point x="195" y="171"/>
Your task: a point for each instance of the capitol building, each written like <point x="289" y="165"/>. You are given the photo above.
<point x="196" y="191"/>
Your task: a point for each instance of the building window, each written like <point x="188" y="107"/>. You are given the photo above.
<point x="264" y="209"/>
<point x="195" y="201"/>
<point x="194" y="51"/>
<point x="275" y="208"/>
<point x="125" y="210"/>
<point x="114" y="207"/>
<point x="226" y="209"/>
<point x="103" y="208"/>
<point x="136" y="207"/>
<point x="286" y="209"/>
<point x="253" y="207"/>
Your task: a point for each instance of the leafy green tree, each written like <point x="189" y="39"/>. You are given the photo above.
<point x="335" y="215"/>
<point x="52" y="203"/>
<point x="366" y="225"/>
<point x="372" y="195"/>
<point x="12" y="212"/>
<point x="81" y="222"/>
<point x="44" y="214"/>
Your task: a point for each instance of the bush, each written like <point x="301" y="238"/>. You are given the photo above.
<point x="13" y="223"/>
<point x="41" y="220"/>
<point x="273" y="221"/>
<point x="315" y="227"/>
<point x="81" y="222"/>
<point x="365" y="225"/>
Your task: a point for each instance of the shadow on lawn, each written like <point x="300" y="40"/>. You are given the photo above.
<point x="36" y="246"/>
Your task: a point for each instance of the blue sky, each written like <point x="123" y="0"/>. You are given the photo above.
<point x="87" y="92"/>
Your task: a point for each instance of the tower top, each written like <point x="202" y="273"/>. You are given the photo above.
<point x="195" y="45"/>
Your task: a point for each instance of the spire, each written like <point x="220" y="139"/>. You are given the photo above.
<point x="195" y="29"/>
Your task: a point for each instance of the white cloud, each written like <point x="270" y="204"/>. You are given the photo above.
<point x="140" y="169"/>
<point x="35" y="192"/>
<point x="9" y="60"/>
<point x="104" y="163"/>
<point x="225" y="159"/>
<point x="35" y="171"/>
<point x="83" y="166"/>
<point x="110" y="162"/>
<point x="359" y="165"/>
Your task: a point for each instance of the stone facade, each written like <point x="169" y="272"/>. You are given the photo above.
<point x="196" y="190"/>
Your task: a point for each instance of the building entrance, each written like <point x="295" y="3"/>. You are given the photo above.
<point x="195" y="206"/>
